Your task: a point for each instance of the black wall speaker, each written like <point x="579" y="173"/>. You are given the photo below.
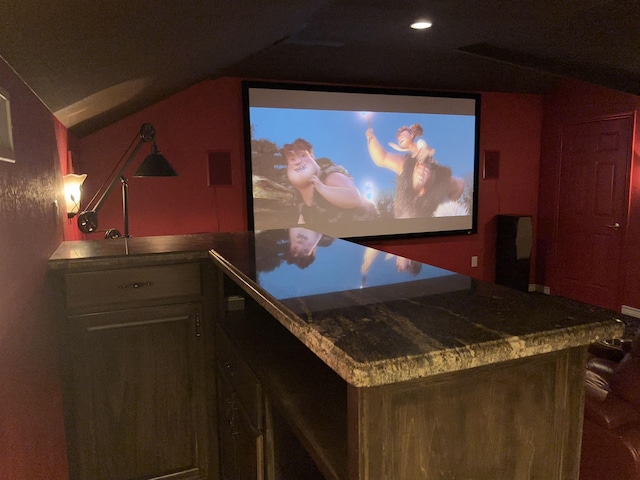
<point x="513" y="251"/>
<point x="491" y="166"/>
<point x="219" y="169"/>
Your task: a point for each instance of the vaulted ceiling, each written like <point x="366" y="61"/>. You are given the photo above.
<point x="93" y="63"/>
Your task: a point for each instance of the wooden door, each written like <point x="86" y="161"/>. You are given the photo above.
<point x="135" y="410"/>
<point x="592" y="209"/>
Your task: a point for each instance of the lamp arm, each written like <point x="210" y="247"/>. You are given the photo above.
<point x="116" y="179"/>
<point x="88" y="219"/>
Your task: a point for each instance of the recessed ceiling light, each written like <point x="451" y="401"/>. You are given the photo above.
<point x="421" y="25"/>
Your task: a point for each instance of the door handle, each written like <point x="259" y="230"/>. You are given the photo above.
<point x="615" y="226"/>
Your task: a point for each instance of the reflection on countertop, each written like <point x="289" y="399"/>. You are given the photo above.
<point x="400" y="322"/>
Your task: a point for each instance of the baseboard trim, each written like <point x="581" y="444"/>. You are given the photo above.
<point x="534" y="287"/>
<point x="631" y="311"/>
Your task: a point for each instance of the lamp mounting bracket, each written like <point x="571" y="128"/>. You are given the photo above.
<point x="147" y="132"/>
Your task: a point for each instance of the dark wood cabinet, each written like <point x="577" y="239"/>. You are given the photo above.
<point x="288" y="410"/>
<point x="517" y="419"/>
<point x="176" y="368"/>
<point x="240" y="409"/>
<point x="241" y="443"/>
<point x="134" y="374"/>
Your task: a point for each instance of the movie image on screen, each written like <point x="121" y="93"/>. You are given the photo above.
<point x="358" y="163"/>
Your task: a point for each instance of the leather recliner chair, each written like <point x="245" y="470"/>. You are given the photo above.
<point x="611" y="430"/>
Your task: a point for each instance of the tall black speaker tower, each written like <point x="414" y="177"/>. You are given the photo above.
<point x="513" y="251"/>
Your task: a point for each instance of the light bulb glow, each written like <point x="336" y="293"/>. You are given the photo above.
<point x="421" y="25"/>
<point x="73" y="192"/>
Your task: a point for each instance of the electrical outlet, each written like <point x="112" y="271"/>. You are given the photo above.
<point x="474" y="261"/>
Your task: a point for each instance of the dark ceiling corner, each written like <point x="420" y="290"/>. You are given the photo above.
<point x="95" y="65"/>
<point x="615" y="78"/>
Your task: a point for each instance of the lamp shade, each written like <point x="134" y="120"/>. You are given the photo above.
<point x="73" y="192"/>
<point x="155" y="165"/>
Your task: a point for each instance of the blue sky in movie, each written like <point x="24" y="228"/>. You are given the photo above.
<point x="340" y="136"/>
<point x="338" y="267"/>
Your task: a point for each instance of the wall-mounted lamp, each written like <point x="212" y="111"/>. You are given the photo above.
<point x="154" y="165"/>
<point x="73" y="192"/>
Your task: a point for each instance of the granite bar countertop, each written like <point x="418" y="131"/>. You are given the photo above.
<point x="377" y="319"/>
<point x="374" y="318"/>
<point x="132" y="251"/>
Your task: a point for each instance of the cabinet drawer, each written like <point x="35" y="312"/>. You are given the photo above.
<point x="245" y="384"/>
<point x="126" y="285"/>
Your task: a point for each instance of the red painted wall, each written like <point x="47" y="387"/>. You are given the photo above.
<point x="208" y="117"/>
<point x="32" y="441"/>
<point x="571" y="102"/>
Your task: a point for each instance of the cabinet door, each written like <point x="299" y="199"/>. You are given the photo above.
<point x="241" y="444"/>
<point x="136" y="405"/>
<point x="249" y="449"/>
<point x="227" y="411"/>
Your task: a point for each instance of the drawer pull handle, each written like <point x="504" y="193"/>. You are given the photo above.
<point x="136" y="285"/>
<point x="198" y="326"/>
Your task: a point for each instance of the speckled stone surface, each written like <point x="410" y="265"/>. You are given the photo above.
<point x="113" y="253"/>
<point x="419" y="327"/>
<point x="374" y="332"/>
